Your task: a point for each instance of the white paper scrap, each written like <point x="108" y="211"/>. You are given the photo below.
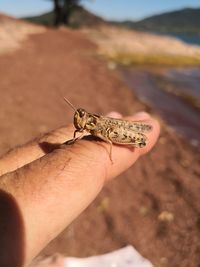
<point x="125" y="257"/>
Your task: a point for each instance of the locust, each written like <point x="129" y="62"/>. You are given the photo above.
<point x="110" y="130"/>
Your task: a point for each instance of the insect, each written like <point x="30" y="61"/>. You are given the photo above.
<point x="111" y="130"/>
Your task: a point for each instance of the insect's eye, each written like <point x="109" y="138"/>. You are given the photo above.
<point x="81" y="113"/>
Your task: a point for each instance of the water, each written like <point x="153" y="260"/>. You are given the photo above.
<point x="173" y="93"/>
<point x="186" y="38"/>
<point x="187" y="80"/>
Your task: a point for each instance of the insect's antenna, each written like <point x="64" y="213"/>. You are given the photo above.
<point x="70" y="104"/>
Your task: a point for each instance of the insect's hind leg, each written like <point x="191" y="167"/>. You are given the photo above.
<point x="110" y="150"/>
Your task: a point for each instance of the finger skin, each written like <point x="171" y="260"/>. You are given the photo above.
<point x="31" y="151"/>
<point x="22" y="155"/>
<point x="53" y="190"/>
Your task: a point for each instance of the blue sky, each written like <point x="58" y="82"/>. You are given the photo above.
<point x="110" y="9"/>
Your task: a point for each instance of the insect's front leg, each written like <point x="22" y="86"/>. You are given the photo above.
<point x="79" y="137"/>
<point x="75" y="132"/>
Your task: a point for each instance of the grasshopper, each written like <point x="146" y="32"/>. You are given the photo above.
<point x="111" y="130"/>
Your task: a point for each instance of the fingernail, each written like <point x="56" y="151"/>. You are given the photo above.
<point x="114" y="114"/>
<point x="142" y="115"/>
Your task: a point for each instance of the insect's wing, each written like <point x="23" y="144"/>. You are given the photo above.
<point x="135" y="126"/>
<point x="139" y="127"/>
<point x="123" y="132"/>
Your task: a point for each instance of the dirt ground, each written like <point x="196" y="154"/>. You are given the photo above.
<point x="155" y="205"/>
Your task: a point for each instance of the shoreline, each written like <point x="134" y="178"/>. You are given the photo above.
<point x="148" y="88"/>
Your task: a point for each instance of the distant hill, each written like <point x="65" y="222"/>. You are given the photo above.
<point x="4" y="18"/>
<point x="80" y="17"/>
<point x="182" y="21"/>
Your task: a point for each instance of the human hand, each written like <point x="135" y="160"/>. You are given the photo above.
<point x="45" y="185"/>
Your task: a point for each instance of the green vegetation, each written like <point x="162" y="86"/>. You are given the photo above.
<point x="144" y="59"/>
<point x="183" y="21"/>
<point x="44" y="19"/>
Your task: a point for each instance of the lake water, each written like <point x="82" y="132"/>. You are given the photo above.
<point x="187" y="38"/>
<point x="173" y="93"/>
<point x="190" y="39"/>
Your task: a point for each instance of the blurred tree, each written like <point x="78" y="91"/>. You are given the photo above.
<point x="63" y="10"/>
<point x="68" y="7"/>
<point x="57" y="12"/>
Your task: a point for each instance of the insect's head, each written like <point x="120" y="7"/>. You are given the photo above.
<point x="79" y="116"/>
<point x="80" y="119"/>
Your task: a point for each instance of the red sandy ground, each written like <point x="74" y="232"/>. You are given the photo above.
<point x="32" y="81"/>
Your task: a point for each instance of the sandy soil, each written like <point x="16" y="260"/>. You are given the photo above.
<point x="155" y="205"/>
<point x="13" y="32"/>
